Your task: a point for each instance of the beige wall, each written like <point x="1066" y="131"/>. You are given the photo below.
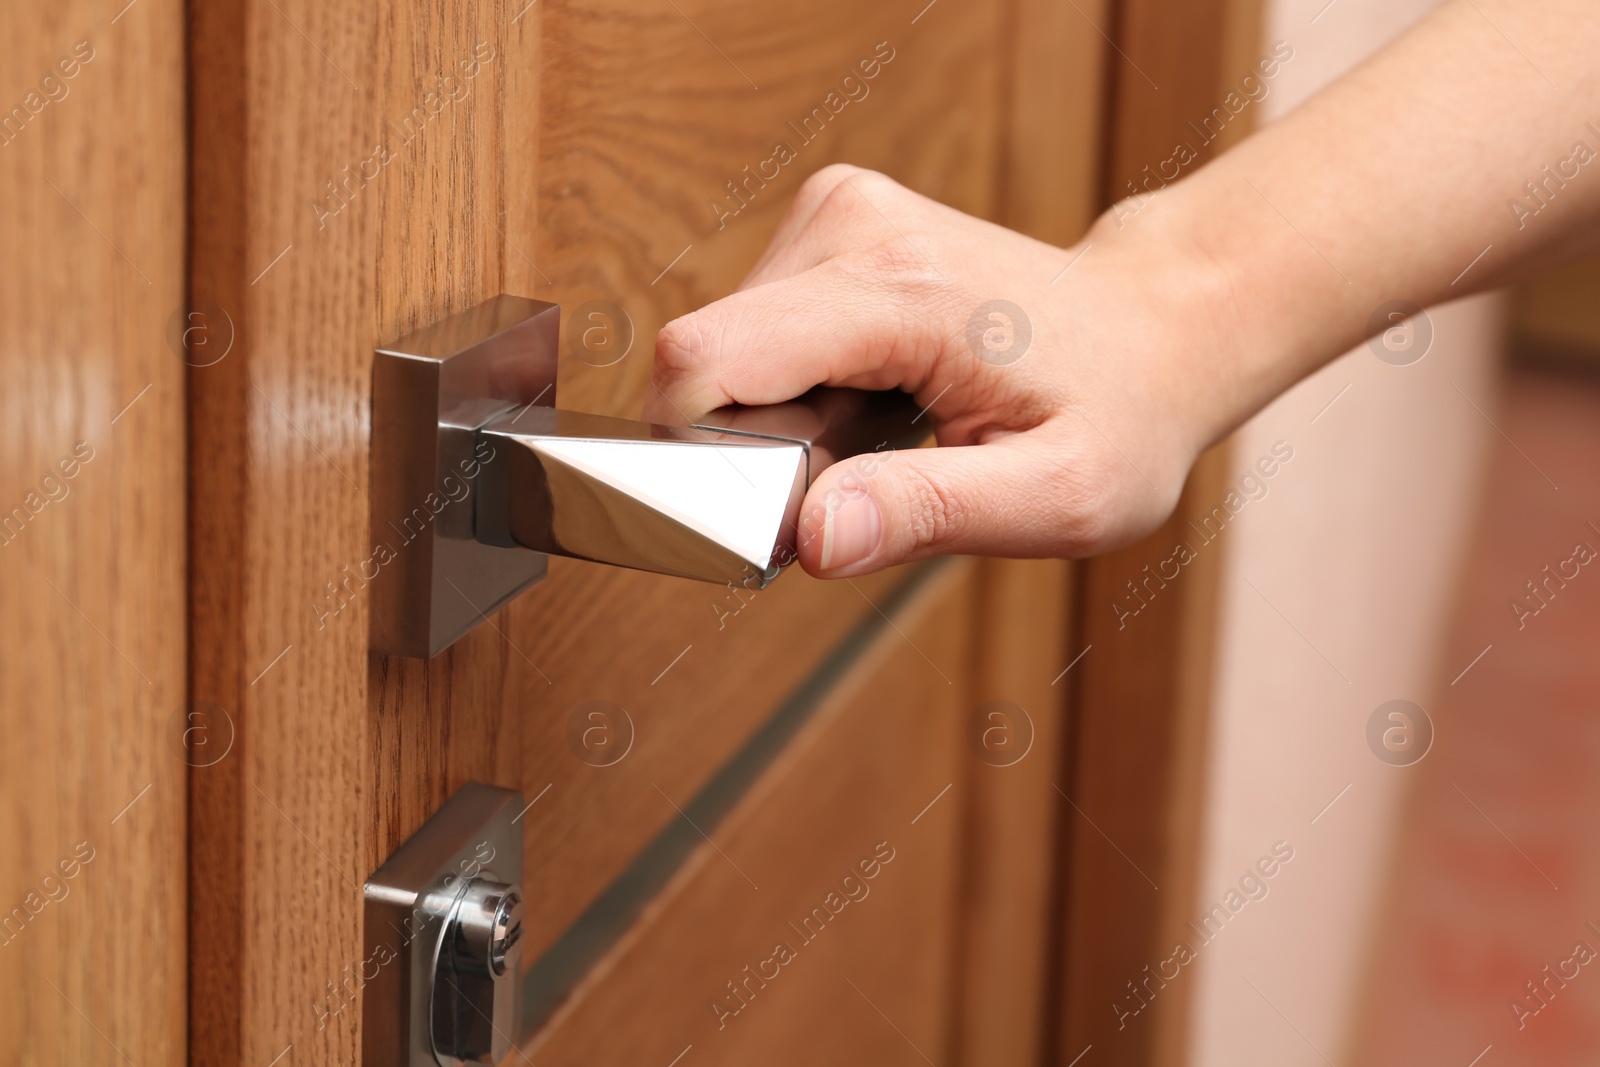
<point x="1356" y="547"/>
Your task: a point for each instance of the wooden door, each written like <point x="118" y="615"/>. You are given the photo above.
<point x="92" y="680"/>
<point x="360" y="170"/>
<point x="1137" y="756"/>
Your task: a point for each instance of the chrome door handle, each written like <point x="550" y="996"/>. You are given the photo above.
<point x="477" y="476"/>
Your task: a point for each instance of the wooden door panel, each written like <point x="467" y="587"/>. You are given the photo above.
<point x="1009" y="893"/>
<point x="1142" y="699"/>
<point x="869" y="978"/>
<point x="92" y="679"/>
<point x="574" y="162"/>
<point x="694" y="685"/>
<point x="643" y="122"/>
<point x="646" y="123"/>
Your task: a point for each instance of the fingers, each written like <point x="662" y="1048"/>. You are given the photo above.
<point x="864" y="320"/>
<point x="807" y="202"/>
<point x="824" y="221"/>
<point x="1025" y="495"/>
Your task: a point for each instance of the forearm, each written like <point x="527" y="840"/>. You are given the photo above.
<point x="1071" y="400"/>
<point x="1399" y="182"/>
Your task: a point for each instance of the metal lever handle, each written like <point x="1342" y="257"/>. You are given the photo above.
<point x="477" y="476"/>
<point x="719" y="501"/>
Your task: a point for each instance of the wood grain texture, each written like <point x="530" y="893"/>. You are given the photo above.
<point x="338" y="202"/>
<point x="1138" y="752"/>
<point x="1004" y="1001"/>
<point x="1055" y="109"/>
<point x="870" y="983"/>
<point x="92" y="663"/>
<point x="647" y="124"/>
<point x="1141" y="697"/>
<point x="1014" y="731"/>
<point x="642" y="125"/>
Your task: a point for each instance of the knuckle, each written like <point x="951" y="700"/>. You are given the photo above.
<point x="834" y="173"/>
<point x="1086" y="531"/>
<point x="1087" y="520"/>
<point x="894" y="260"/>
<point x="685" y="375"/>
<point x="682" y="348"/>
<point x="817" y="188"/>
<point x="904" y="265"/>
<point x="841" y="201"/>
<point x="675" y="344"/>
<point x="935" y="512"/>
<point x="874" y="185"/>
<point x="854" y="193"/>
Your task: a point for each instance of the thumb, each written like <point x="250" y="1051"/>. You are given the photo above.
<point x="1010" y="496"/>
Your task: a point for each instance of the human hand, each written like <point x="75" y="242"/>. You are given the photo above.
<point x="1067" y="420"/>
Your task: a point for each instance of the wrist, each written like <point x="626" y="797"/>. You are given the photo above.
<point x="1215" y="348"/>
<point x="1259" y="304"/>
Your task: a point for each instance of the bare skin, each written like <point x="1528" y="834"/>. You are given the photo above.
<point x="1185" y="314"/>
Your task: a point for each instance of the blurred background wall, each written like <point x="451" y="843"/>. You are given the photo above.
<point x="1336" y="593"/>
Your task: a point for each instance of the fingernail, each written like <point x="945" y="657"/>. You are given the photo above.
<point x="851" y="532"/>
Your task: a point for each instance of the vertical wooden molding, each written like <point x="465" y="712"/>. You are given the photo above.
<point x="1141" y="698"/>
<point x="1003" y="996"/>
<point x="1047" y="187"/>
<point x="357" y="170"/>
<point x="1054" y="110"/>
<point x="281" y="103"/>
<point x="216" y="399"/>
<point x="92" y="622"/>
